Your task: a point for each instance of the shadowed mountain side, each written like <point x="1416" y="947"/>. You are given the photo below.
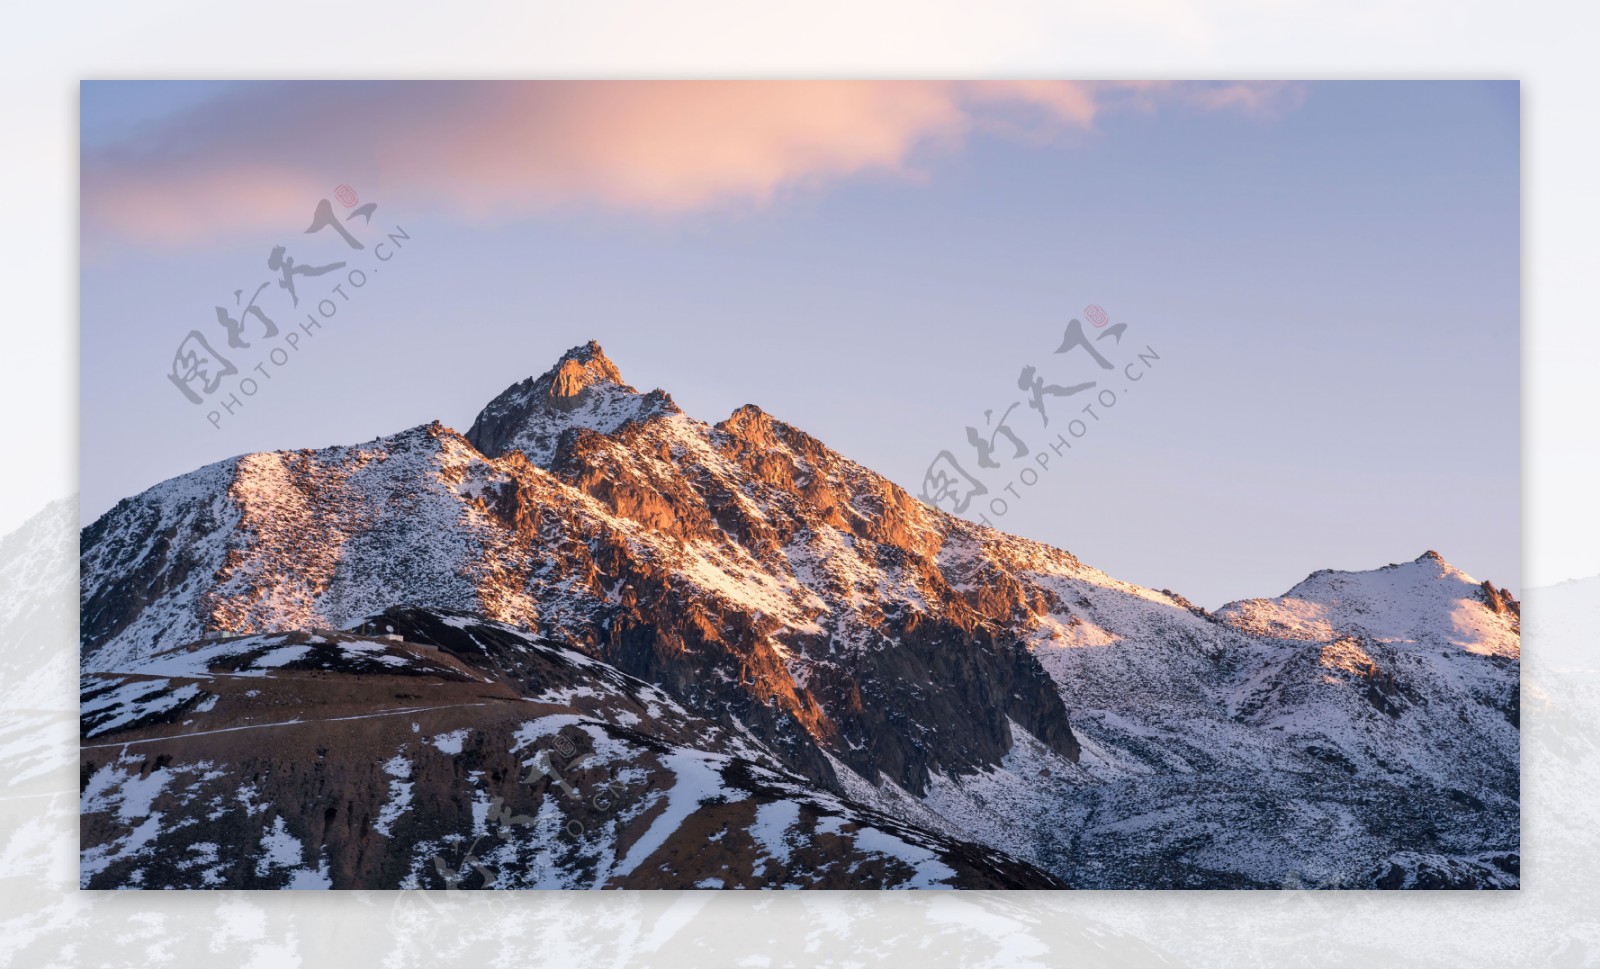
<point x="465" y="755"/>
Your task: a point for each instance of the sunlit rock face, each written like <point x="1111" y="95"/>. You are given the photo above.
<point x="972" y="685"/>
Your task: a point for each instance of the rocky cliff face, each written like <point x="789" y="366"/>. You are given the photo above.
<point x="869" y="644"/>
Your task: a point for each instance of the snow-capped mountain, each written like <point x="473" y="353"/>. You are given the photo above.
<point x="974" y="685"/>
<point x="36" y="602"/>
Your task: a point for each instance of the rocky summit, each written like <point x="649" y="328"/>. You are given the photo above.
<point x="595" y="642"/>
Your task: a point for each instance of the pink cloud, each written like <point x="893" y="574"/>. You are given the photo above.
<point x="501" y="150"/>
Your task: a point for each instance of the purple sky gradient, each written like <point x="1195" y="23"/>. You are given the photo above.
<point x="1329" y="273"/>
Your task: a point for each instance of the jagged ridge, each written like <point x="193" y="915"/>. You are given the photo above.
<point x="871" y="643"/>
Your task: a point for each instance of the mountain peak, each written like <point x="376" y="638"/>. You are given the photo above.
<point x="578" y="369"/>
<point x="751" y="424"/>
<point x="1438" y="567"/>
<point x="587" y="351"/>
<point x="583" y="390"/>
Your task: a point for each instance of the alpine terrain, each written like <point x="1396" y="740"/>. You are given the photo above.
<point x="594" y="642"/>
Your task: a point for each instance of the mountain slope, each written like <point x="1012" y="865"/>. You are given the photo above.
<point x="465" y="755"/>
<point x="745" y="567"/>
<point x="874" y="646"/>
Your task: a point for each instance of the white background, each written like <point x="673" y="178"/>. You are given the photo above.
<point x="47" y="48"/>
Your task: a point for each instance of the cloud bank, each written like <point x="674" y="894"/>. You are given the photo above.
<point x="486" y="150"/>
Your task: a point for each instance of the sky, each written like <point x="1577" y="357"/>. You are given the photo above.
<point x="1322" y="280"/>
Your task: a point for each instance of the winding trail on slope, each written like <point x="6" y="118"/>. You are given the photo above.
<point x="255" y="727"/>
